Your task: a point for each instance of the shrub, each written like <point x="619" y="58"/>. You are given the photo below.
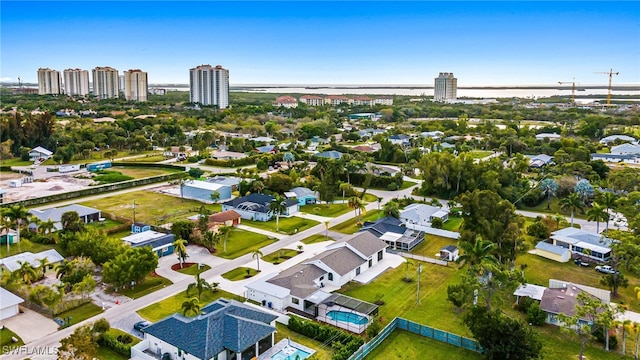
<point x="344" y="344"/>
<point x="437" y="223"/>
<point x="108" y="177"/>
<point x="535" y="315"/>
<point x="196" y="173"/>
<point x="118" y="343"/>
<point x="261" y="165"/>
<point x="101" y="326"/>
<point x="538" y="230"/>
<point x="524" y="304"/>
<point x="392" y="186"/>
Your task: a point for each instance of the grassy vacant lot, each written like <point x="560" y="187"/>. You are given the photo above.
<point x="26" y="245"/>
<point x="142" y="172"/>
<point x="5" y="340"/>
<point x="315" y="239"/>
<point x="323" y="352"/>
<point x="453" y="224"/>
<point x="240" y="273"/>
<point x="406" y="345"/>
<point x="350" y="226"/>
<point x="286" y="225"/>
<point x="151" y="208"/>
<point x="194" y="270"/>
<point x="479" y="154"/>
<point x="555" y="209"/>
<point x="150" y="284"/>
<point x="15" y="162"/>
<point x="243" y="242"/>
<point x="80" y="313"/>
<point x="104" y="225"/>
<point x="173" y="304"/>
<point x="327" y="210"/>
<point x="432" y="245"/>
<point x="280" y="256"/>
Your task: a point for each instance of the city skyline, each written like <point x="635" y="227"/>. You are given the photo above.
<point x="501" y="43"/>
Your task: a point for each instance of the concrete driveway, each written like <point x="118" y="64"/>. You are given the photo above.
<point x="30" y="325"/>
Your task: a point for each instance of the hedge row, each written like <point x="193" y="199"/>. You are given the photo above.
<point x="249" y="160"/>
<point x="111" y="341"/>
<point x="344" y="344"/>
<point x="93" y="190"/>
<point x="380" y="182"/>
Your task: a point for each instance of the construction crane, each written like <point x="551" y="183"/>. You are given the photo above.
<point x="610" y="73"/>
<point x="573" y="90"/>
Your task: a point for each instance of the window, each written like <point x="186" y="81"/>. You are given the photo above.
<point x="295" y="301"/>
<point x="380" y="254"/>
<point x="321" y="278"/>
<point x="370" y="262"/>
<point x="330" y="276"/>
<point x="358" y="271"/>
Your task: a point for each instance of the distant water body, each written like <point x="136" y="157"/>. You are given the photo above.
<point x="408" y="90"/>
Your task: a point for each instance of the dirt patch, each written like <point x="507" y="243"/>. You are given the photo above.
<point x="176" y="267"/>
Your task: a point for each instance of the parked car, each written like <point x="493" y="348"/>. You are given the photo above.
<point x="580" y="262"/>
<point x="606" y="269"/>
<point x="141" y="325"/>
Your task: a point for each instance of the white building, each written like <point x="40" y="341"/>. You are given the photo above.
<point x="626" y="149"/>
<point x="550" y="136"/>
<point x="422" y="215"/>
<point x="49" y="82"/>
<point x="383" y="100"/>
<point x="105" y="82"/>
<point x="136" y="86"/>
<point x="312" y="100"/>
<point x="209" y="85"/>
<point x="9" y="304"/>
<point x="445" y="87"/>
<point x="286" y="101"/>
<point x="76" y="82"/>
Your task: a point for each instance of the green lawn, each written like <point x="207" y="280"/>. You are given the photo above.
<point x="173" y="304"/>
<point x="432" y="245"/>
<point x="26" y="245"/>
<point x="15" y="162"/>
<point x="243" y="242"/>
<point x="555" y="209"/>
<point x="289" y="225"/>
<point x="194" y="270"/>
<point x="453" y="224"/>
<point x="405" y="345"/>
<point x="240" y="273"/>
<point x="143" y="172"/>
<point x="151" y="208"/>
<point x="150" y="284"/>
<point x="5" y="340"/>
<point x="327" y="210"/>
<point x="104" y="225"/>
<point x="315" y="239"/>
<point x="280" y="256"/>
<point x="151" y="158"/>
<point x="323" y="352"/>
<point x="479" y="154"/>
<point x="80" y="313"/>
<point x="350" y="226"/>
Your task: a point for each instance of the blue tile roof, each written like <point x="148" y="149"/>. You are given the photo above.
<point x="226" y="324"/>
<point x="381" y="226"/>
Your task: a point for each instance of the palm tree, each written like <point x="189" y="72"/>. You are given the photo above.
<point x="200" y="286"/>
<point x="608" y="200"/>
<point x="392" y="209"/>
<point x="5" y="226"/>
<point x="572" y="202"/>
<point x="42" y="265"/>
<point x="210" y="239"/>
<point x="357" y="205"/>
<point x="626" y="327"/>
<point x="478" y="255"/>
<point x="27" y="272"/>
<point x="549" y="187"/>
<point x="47" y="227"/>
<point x="191" y="306"/>
<point x="451" y="204"/>
<point x="634" y="330"/>
<point x="64" y="268"/>
<point x="345" y="187"/>
<point x="225" y="232"/>
<point x="215" y="196"/>
<point x="277" y="207"/>
<point x="17" y="214"/>
<point x="180" y="182"/>
<point x="597" y="213"/>
<point x="379" y="199"/>
<point x="558" y="219"/>
<point x="180" y="249"/>
<point x="256" y="255"/>
<point x="257" y="186"/>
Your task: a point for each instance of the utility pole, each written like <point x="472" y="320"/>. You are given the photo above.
<point x="134" y="211"/>
<point x="419" y="271"/>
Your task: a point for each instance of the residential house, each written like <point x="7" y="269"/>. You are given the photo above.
<point x="538" y="161"/>
<point x="394" y="234"/>
<point x="312" y="100"/>
<point x="302" y="286"/>
<point x="263" y="139"/>
<point x="256" y="207"/>
<point x="435" y="135"/>
<point x="180" y="152"/>
<point x="86" y="215"/>
<point x="9" y="304"/>
<point x="303" y="195"/>
<point x="225" y="218"/>
<point x="12" y="263"/>
<point x="202" y="190"/>
<point x="286" y="101"/>
<point x="383" y="100"/>
<point x="160" y="243"/>
<point x="447" y="146"/>
<point x="626" y="149"/>
<point x="419" y="216"/>
<point x="331" y="154"/>
<point x="227" y="155"/>
<point x="363" y="100"/>
<point x="224" y="330"/>
<point x="267" y="149"/>
<point x="628" y="158"/>
<point x="550" y="136"/>
<point x="615" y="138"/>
<point x="400" y="139"/>
<point x="365" y="116"/>
<point x="39" y="154"/>
<point x="584" y="243"/>
<point x="335" y="100"/>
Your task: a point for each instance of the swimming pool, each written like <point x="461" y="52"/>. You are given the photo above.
<point x="290" y="353"/>
<point x="349" y="317"/>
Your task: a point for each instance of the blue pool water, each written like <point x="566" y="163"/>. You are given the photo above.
<point x="289" y="354"/>
<point x="347" y="317"/>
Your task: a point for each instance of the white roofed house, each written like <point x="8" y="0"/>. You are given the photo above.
<point x="86" y="214"/>
<point x="9" y="304"/>
<point x="422" y="215"/>
<point x="584" y="243"/>
<point x="549" y="136"/>
<point x="626" y="149"/>
<point x="39" y="154"/>
<point x="12" y="263"/>
<point x="620" y="138"/>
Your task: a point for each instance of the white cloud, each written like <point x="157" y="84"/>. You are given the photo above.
<point x="3" y="79"/>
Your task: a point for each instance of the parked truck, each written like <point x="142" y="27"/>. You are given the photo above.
<point x="606" y="269"/>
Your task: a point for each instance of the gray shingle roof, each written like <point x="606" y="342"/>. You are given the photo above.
<point x="367" y="243"/>
<point x="298" y="279"/>
<point x="55" y="214"/>
<point x="342" y="260"/>
<point x="228" y="325"/>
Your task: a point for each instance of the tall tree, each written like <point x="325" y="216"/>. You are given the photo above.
<point x="598" y="214"/>
<point x="71" y="221"/>
<point x="549" y="187"/>
<point x="17" y="215"/>
<point x="608" y="200"/>
<point x="277" y="206"/>
<point x="257" y="255"/>
<point x="572" y="202"/>
<point x="180" y="249"/>
<point x="392" y="209"/>
<point x="199" y="286"/>
<point x="78" y="346"/>
<point x="226" y="232"/>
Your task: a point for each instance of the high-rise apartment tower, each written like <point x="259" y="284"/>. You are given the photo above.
<point x="209" y="85"/>
<point x="445" y="87"/>
<point x="136" y="86"/>
<point x="76" y="82"/>
<point x="105" y="82"/>
<point x="49" y="81"/>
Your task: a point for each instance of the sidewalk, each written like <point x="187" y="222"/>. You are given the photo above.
<point x="263" y="232"/>
<point x="320" y="219"/>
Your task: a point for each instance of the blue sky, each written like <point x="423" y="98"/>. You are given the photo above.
<point x="483" y="43"/>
